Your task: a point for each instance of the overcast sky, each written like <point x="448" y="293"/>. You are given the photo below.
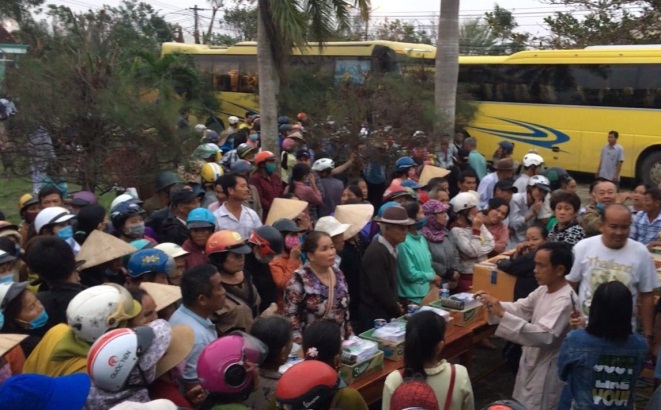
<point x="528" y="13"/>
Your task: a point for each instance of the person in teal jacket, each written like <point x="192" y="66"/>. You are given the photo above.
<point x="414" y="270"/>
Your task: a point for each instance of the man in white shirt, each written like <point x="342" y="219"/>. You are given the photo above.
<point x="504" y="169"/>
<point x="527" y="207"/>
<point x="613" y="256"/>
<point x="232" y="214"/>
<point x="532" y="165"/>
<point x="611" y="159"/>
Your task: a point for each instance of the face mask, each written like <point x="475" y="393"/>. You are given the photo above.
<point x="270" y="168"/>
<point x="254" y="137"/>
<point x="65" y="233"/>
<point x="9" y="278"/>
<point x="291" y="241"/>
<point x="136" y="231"/>
<point x="421" y="222"/>
<point x="39" y="321"/>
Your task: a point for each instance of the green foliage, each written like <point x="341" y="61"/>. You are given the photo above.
<point x="503" y="25"/>
<point x="476" y="38"/>
<point x="397" y="30"/>
<point x="405" y="103"/>
<point x="617" y="22"/>
<point x="109" y="102"/>
<point x="18" y="9"/>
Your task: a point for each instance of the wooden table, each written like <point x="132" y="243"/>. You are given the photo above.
<point x="457" y="345"/>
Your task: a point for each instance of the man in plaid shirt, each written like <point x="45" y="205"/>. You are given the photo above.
<point x="647" y="225"/>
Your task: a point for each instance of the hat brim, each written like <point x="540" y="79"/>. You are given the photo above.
<point x="15" y="289"/>
<point x="100" y="248"/>
<point x="63" y="218"/>
<point x="198" y="225"/>
<point x="356" y="215"/>
<point x="163" y="295"/>
<point x="80" y="202"/>
<point x="241" y="250"/>
<point x="9" y="341"/>
<point x="431" y="171"/>
<point x="70" y="392"/>
<point x="6" y="258"/>
<point x="402" y="222"/>
<point x="183" y="339"/>
<point x="543" y="187"/>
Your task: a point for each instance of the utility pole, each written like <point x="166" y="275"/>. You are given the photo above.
<point x="196" y="34"/>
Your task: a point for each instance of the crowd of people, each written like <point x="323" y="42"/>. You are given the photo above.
<point x="197" y="296"/>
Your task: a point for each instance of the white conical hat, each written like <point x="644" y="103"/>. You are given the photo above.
<point x="356" y="215"/>
<point x="282" y="208"/>
<point x="8" y="341"/>
<point x="100" y="247"/>
<point x="163" y="295"/>
<point x="429" y="172"/>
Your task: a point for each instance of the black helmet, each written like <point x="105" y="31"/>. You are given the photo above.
<point x="556" y="176"/>
<point x="165" y="179"/>
<point x="268" y="239"/>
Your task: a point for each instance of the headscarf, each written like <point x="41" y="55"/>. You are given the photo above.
<point x="433" y="230"/>
<point x="103" y="399"/>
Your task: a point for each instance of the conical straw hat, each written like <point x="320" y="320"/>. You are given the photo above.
<point x="163" y="295"/>
<point x="285" y="208"/>
<point x="429" y="172"/>
<point x="356" y="215"/>
<point x="100" y="247"/>
<point x="8" y="341"/>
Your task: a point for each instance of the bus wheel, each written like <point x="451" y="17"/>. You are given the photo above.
<point x="650" y="169"/>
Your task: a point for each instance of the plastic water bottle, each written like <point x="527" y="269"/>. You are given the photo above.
<point x="445" y="292"/>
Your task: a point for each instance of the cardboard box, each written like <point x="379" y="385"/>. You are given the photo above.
<point x="391" y="351"/>
<point x="487" y="277"/>
<point x="463" y="317"/>
<point x="353" y="372"/>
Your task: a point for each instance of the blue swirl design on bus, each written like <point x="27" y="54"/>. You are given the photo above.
<point x="538" y="136"/>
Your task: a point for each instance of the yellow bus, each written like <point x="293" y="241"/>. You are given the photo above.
<point x="562" y="103"/>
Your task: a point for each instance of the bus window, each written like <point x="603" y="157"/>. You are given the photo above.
<point x="384" y="60"/>
<point x="351" y="70"/>
<point x="226" y="73"/>
<point x="248" y="81"/>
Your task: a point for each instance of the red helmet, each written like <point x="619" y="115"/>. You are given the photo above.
<point x="288" y="144"/>
<point x="263" y="156"/>
<point x="226" y="241"/>
<point x="301" y="116"/>
<point x="306" y="384"/>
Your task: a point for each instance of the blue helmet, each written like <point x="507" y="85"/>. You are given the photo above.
<point x="404" y="163"/>
<point x="150" y="260"/>
<point x="283" y="119"/>
<point x="240" y="166"/>
<point x="201" y="218"/>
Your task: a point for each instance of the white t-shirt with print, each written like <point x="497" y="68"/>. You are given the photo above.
<point x="595" y="264"/>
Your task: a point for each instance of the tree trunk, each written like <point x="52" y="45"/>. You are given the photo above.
<point x="447" y="65"/>
<point x="268" y="91"/>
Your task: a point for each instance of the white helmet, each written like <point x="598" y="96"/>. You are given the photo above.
<point x="113" y="356"/>
<point x="99" y="308"/>
<point x="233" y="120"/>
<point x="200" y="128"/>
<point x="531" y="159"/>
<point x="464" y="200"/>
<point x="171" y="249"/>
<point x="50" y="216"/>
<point x="323" y="164"/>
<point x="541" y="182"/>
<point x="120" y="199"/>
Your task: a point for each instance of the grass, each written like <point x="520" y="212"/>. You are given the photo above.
<point x="13" y="187"/>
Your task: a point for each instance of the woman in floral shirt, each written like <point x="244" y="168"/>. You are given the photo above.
<point x="308" y="292"/>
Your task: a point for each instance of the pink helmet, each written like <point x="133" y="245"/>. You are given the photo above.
<point x="221" y="366"/>
<point x="288" y="144"/>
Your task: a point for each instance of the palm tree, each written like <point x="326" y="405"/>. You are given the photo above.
<point x="476" y="38"/>
<point x="447" y="64"/>
<point x="281" y="25"/>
